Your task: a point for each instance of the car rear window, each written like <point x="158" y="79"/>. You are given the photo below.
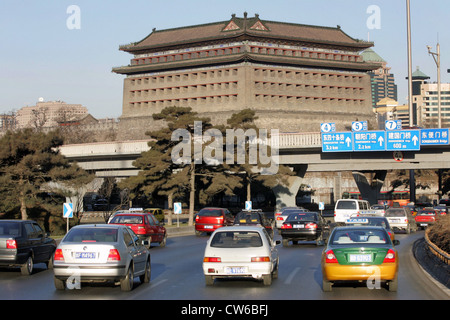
<point x="127" y="219"/>
<point x="98" y="235"/>
<point x="360" y="236"/>
<point x="10" y="228"/>
<point x="210" y="213"/>
<point x="395" y="213"/>
<point x="247" y="218"/>
<point x="236" y="239"/>
<point x="346" y="205"/>
<point x="304" y="216"/>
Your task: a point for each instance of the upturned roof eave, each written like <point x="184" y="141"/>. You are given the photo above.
<point x="239" y="57"/>
<point x="135" y="48"/>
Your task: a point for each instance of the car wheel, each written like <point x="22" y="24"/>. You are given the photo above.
<point x="275" y="272"/>
<point x="59" y="284"/>
<point x="126" y="284"/>
<point x="209" y="280"/>
<point x="163" y="242"/>
<point x="267" y="279"/>
<point x="326" y="285"/>
<point x="27" y="268"/>
<point x="147" y="273"/>
<point x="393" y="284"/>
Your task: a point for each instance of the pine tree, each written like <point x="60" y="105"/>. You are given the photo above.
<point x="30" y="164"/>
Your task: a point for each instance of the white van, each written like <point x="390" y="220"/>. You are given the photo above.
<point x="347" y="208"/>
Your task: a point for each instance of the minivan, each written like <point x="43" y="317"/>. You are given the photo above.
<point x="209" y="219"/>
<point x="347" y="208"/>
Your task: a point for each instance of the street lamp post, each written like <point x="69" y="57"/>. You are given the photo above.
<point x="408" y="29"/>
<point x="437" y="59"/>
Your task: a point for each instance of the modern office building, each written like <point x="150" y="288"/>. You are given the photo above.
<point x="294" y="76"/>
<point x="382" y="80"/>
<point x="425" y="101"/>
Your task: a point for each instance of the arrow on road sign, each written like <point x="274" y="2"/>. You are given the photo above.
<point x="68" y="210"/>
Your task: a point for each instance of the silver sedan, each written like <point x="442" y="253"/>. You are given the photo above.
<point x="97" y="253"/>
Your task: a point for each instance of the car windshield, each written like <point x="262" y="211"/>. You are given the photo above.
<point x="346" y="204"/>
<point x="9" y="229"/>
<point x="360" y="236"/>
<point x="395" y="213"/>
<point x="304" y="216"/>
<point x="236" y="239"/>
<point x="91" y="235"/>
<point x="210" y="213"/>
<point x="127" y="219"/>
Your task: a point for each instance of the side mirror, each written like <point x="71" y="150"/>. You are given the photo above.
<point x="146" y="243"/>
<point x="277" y="242"/>
<point x="396" y="242"/>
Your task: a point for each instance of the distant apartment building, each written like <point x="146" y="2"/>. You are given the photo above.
<point x="382" y="80"/>
<point x="389" y="109"/>
<point x="425" y="101"/>
<point x="48" y="114"/>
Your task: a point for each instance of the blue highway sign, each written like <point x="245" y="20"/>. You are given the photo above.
<point x="337" y="142"/>
<point x="403" y="140"/>
<point x="434" y="136"/>
<point x="369" y="141"/>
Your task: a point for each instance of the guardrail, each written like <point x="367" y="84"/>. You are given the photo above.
<point x="299" y="140"/>
<point x="438" y="252"/>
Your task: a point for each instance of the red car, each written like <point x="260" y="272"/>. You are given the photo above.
<point x="210" y="219"/>
<point x="144" y="224"/>
<point x="425" y="217"/>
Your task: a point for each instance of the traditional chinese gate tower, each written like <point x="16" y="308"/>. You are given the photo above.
<point x="294" y="76"/>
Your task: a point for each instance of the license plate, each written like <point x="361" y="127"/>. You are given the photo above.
<point x="299" y="226"/>
<point x="84" y="255"/>
<point x="360" y="258"/>
<point x="208" y="227"/>
<point x="235" y="270"/>
<point x="423" y="224"/>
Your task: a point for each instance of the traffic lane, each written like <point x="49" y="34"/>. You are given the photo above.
<point x="300" y="277"/>
<point x="177" y="275"/>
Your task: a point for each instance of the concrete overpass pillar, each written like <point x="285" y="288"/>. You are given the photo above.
<point x="285" y="195"/>
<point x="370" y="190"/>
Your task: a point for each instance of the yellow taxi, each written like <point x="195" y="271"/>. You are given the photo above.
<point x="360" y="253"/>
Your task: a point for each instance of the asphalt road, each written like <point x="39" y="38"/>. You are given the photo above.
<point x="177" y="275"/>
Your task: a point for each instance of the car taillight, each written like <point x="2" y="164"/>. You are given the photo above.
<point x="311" y="226"/>
<point x="212" y="259"/>
<point x="330" y="257"/>
<point x="390" y="256"/>
<point x="113" y="255"/>
<point x="260" y="259"/>
<point x="196" y="218"/>
<point x="280" y="218"/>
<point x="58" y="255"/>
<point x="286" y="226"/>
<point x="11" y="244"/>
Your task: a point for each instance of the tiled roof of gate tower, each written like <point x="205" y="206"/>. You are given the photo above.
<point x="250" y="27"/>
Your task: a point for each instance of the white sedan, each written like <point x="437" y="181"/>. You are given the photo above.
<point x="241" y="252"/>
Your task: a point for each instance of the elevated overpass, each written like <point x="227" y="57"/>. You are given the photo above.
<point x="115" y="158"/>
<point x="302" y="151"/>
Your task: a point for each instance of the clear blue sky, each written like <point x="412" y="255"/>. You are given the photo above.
<point x="42" y="57"/>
